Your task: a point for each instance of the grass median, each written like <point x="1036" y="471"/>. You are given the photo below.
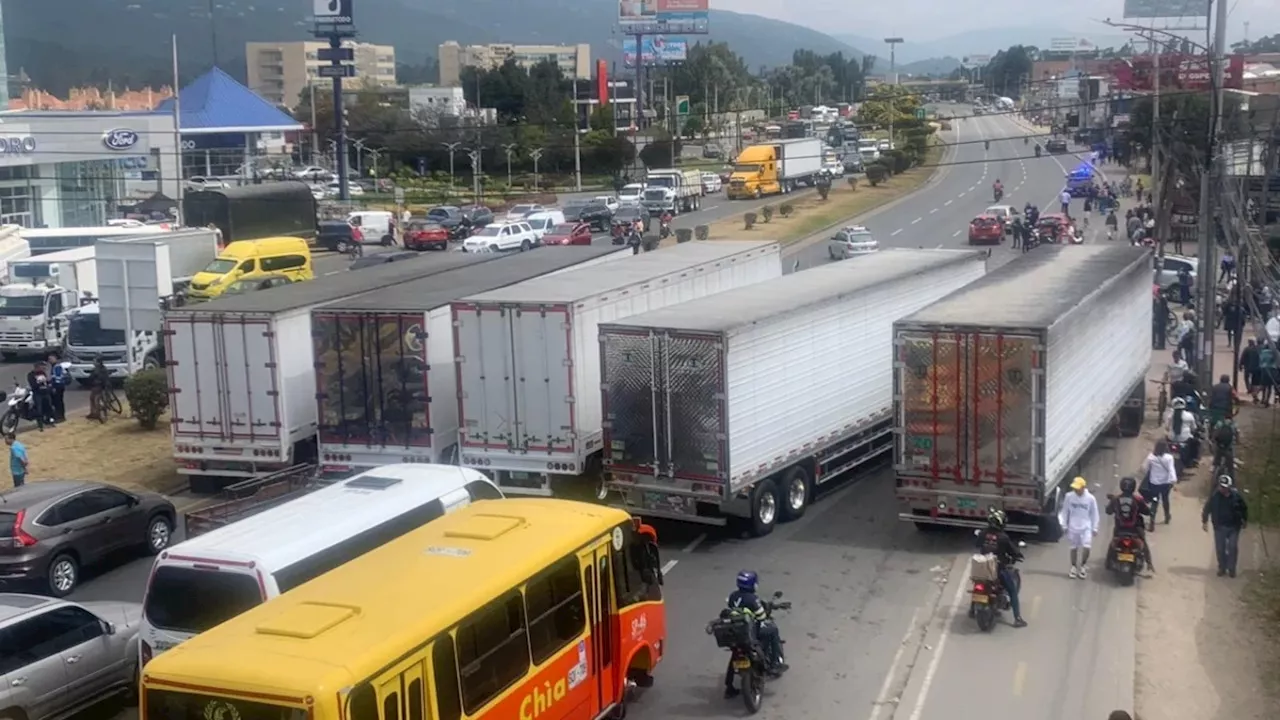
<point x="118" y="452"/>
<point x="811" y="214"/>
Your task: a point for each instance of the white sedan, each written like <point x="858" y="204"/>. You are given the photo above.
<point x="711" y="183"/>
<point x="205" y="183"/>
<point x="353" y="189"/>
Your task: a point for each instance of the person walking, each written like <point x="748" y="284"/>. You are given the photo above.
<point x="17" y="460"/>
<point x="1113" y="225"/>
<point x="1160" y="474"/>
<point x="1266" y="373"/>
<point x="1249" y="366"/>
<point x="1229" y="513"/>
<point x="1079" y="518"/>
<point x="1065" y="200"/>
<point x="58" y="379"/>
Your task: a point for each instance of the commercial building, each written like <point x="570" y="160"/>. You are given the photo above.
<point x="280" y="72"/>
<point x="67" y="169"/>
<point x="573" y="60"/>
<point x="437" y="102"/>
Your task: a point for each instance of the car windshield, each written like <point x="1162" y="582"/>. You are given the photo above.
<point x="563" y="229"/>
<point x="439" y="214"/>
<point x="21" y="305"/>
<point x="522" y="209"/>
<point x="193" y="600"/>
<point x="859" y="237"/>
<point x="85" y="331"/>
<point x="488" y="231"/>
<point x="220" y="266"/>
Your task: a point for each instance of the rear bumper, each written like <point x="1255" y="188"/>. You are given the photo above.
<point x="21" y="569"/>
<point x="949" y="521"/>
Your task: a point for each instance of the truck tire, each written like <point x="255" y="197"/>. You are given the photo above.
<point x="796" y="492"/>
<point x="151" y="362"/>
<point x="764" y="508"/>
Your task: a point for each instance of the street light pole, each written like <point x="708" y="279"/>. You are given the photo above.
<point x="359" y="144"/>
<point x="536" y="154"/>
<point x="474" y="156"/>
<point x="452" y="148"/>
<point x="509" y="149"/>
<point x="893" y="43"/>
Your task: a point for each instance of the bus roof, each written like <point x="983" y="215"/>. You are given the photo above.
<point x="286" y="533"/>
<point x="100" y="231"/>
<point x="349" y="623"/>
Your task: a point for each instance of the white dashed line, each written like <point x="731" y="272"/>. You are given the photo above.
<point x="668" y="566"/>
<point x="939" y="247"/>
<point x="695" y="543"/>
<point x="895" y="232"/>
<point x="332" y="272"/>
<point x="956" y="233"/>
<point x="962" y="194"/>
<point x="913" y="222"/>
<point x="947" y="203"/>
<point x="933" y="211"/>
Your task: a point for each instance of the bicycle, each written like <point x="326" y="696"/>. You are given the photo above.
<point x="108" y="402"/>
<point x="1162" y="400"/>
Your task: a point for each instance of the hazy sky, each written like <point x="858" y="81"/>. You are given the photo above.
<point x="925" y="20"/>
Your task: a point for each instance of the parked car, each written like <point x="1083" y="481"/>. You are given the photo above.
<point x="313" y="173"/>
<point x="199" y="182"/>
<point x="1169" y="267"/>
<point x="62" y="657"/>
<point x="596" y="214"/>
<point x="50" y="530"/>
<point x="382" y="259"/>
<point x="476" y="216"/>
<point x="420" y="234"/>
<point x="986" y="229"/>
<point x="254" y="284"/>
<point x="1055" y="227"/>
<point x="377" y="227"/>
<point x="337" y="235"/>
<point x="523" y="210"/>
<point x="851" y="241"/>
<point x="575" y="233"/>
<point x="500" y="237"/>
<point x="711" y="151"/>
<point x="711" y="183"/>
<point x="334" y="189"/>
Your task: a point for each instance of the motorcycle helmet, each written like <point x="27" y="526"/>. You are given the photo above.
<point x="1128" y="485"/>
<point x="995" y="519"/>
<point x="1178" y="404"/>
<point x="747" y="580"/>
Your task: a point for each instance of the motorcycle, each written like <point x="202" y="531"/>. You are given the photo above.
<point x="1126" y="557"/>
<point x="737" y="633"/>
<point x="1076" y="236"/>
<point x="989" y="597"/>
<point x="664" y="230"/>
<point x="21" y="406"/>
<point x="1037" y="151"/>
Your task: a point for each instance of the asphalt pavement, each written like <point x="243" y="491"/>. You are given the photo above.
<point x="879" y="628"/>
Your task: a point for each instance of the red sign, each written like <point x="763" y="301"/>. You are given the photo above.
<point x="1177" y="72"/>
<point x="602" y="82"/>
<point x="682" y="6"/>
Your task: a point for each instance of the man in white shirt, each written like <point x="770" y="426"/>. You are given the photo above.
<point x="1079" y="518"/>
<point x="1273" y="329"/>
<point x="1065" y="199"/>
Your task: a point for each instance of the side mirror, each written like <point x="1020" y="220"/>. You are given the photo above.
<point x="108" y="628"/>
<point x="1021" y="544"/>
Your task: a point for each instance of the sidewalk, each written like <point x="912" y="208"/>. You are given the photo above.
<point x="1198" y="652"/>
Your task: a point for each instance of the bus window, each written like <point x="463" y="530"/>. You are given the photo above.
<point x="444" y="669"/>
<point x="554" y="603"/>
<point x="629" y="570"/>
<point x="363" y="703"/>
<point x="391" y="707"/>
<point x="415" y="700"/>
<point x="493" y="651"/>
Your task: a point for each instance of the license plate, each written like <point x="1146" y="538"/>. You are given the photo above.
<point x="741" y="664"/>
<point x="980" y="599"/>
<point x="1124" y="557"/>
<point x="967" y="504"/>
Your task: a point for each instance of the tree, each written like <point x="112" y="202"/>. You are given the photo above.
<point x="606" y="152"/>
<point x="1008" y="70"/>
<point x="658" y="153"/>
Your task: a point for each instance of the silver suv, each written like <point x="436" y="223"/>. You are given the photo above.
<point x="58" y="657"/>
<point x="851" y="241"/>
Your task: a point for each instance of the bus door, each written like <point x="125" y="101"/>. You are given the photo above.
<point x="402" y="692"/>
<point x="598" y="581"/>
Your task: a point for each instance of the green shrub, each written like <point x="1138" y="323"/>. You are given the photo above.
<point x="824" y="189"/>
<point x="683" y="235"/>
<point x="787" y="209"/>
<point x="853" y="183"/>
<point x="877" y="173"/>
<point x="701" y="232"/>
<point x="148" y="394"/>
<point x="749" y="220"/>
<point x="767" y="211"/>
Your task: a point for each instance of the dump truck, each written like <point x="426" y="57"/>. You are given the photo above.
<point x="1001" y="387"/>
<point x="741" y="406"/>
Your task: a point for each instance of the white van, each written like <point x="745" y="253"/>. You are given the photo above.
<point x="543" y="221"/>
<point x="214" y="577"/>
<point x="377" y="226"/>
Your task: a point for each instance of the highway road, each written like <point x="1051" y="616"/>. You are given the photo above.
<point x="879" y="628"/>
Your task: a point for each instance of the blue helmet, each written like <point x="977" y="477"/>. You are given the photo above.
<point x="747" y="580"/>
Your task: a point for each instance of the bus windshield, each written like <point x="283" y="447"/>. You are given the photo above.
<point x="85" y="331"/>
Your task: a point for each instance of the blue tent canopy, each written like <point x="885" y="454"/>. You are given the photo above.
<point x="216" y="103"/>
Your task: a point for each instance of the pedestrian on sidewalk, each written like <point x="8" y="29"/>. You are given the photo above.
<point x="1249" y="366"/>
<point x="1229" y="513"/>
<point x="1065" y="200"/>
<point x="1266" y="372"/>
<point x="1113" y="224"/>
<point x="1079" y="518"/>
<point x="17" y="459"/>
<point x="1160" y="474"/>
<point x="1232" y="321"/>
<point x="1227" y="266"/>
<point x="1222" y="400"/>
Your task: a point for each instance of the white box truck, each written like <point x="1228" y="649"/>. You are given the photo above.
<point x="386" y="385"/>
<point x="242" y="378"/>
<point x="528" y="357"/>
<point x="1001" y="387"/>
<point x="41" y="290"/>
<point x="741" y="405"/>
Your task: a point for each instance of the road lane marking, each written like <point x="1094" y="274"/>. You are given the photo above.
<point x="708" y="209"/>
<point x="913" y="222"/>
<point x="332" y="272"/>
<point x="668" y="566"/>
<point x="939" y="247"/>
<point x="947" y="203"/>
<point x="962" y="586"/>
<point x="962" y="195"/>
<point x="895" y="232"/>
<point x="933" y="211"/>
<point x="1019" y="679"/>
<point x="956" y="233"/>
<point x="693" y="545"/>
<point x="1035" y="607"/>
<point x="883" y="699"/>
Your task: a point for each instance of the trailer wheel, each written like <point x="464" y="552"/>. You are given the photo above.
<point x="796" y="493"/>
<point x="764" y="508"/>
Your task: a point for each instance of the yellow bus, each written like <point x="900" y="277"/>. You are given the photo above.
<point x="518" y="608"/>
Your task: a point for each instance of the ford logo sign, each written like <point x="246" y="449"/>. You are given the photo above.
<point x="120" y="139"/>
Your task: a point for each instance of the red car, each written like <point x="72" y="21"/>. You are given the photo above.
<point x="986" y="229"/>
<point x="423" y="235"/>
<point x="568" y="234"/>
<point x="1055" y="227"/>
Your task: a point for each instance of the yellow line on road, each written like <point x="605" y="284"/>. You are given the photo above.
<point x="1019" y="679"/>
<point x="1035" y="607"/>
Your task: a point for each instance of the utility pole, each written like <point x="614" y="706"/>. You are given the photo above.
<point x="577" y="156"/>
<point x="1214" y="164"/>
<point x="893" y="43"/>
<point x="452" y="147"/>
<point x="509" y="149"/>
<point x="536" y="154"/>
<point x="315" y="132"/>
<point x="359" y="145"/>
<point x="474" y="156"/>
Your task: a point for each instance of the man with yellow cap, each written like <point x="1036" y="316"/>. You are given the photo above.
<point x="1079" y="518"/>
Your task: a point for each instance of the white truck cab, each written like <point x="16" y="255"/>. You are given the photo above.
<point x="86" y="340"/>
<point x="32" y="320"/>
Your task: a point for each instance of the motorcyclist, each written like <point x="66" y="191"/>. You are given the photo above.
<point x="1128" y="509"/>
<point x="997" y="189"/>
<point x="1224" y="435"/>
<point x="745" y="600"/>
<point x="635" y="239"/>
<point x="1180" y="426"/>
<point x="987" y="144"/>
<point x="1033" y="215"/>
<point x="1037" y="149"/>
<point x="664" y="223"/>
<point x="994" y="540"/>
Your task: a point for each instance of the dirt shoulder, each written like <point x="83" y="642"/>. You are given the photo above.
<point x="1199" y="650"/>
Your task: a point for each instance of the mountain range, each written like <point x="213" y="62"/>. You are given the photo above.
<point x="948" y="50"/>
<point x="62" y="43"/>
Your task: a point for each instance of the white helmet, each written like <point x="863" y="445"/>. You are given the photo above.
<point x="1178" y="404"/>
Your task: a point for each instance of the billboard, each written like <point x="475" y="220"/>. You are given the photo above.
<point x="1071" y="44"/>
<point x="331" y="12"/>
<point x="657" y="50"/>
<point x="1166" y="8"/>
<point x="1177" y="72"/>
<point x="656" y="17"/>
<point x="974" y="61"/>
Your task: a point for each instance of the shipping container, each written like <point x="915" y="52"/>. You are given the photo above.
<point x="1002" y="387"/>
<point x="528" y="356"/>
<point x="743" y="404"/>
<point x="386" y="387"/>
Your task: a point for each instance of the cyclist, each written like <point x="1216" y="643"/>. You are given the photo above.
<point x="99" y="376"/>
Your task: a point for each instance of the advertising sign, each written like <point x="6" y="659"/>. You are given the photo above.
<point x="655" y="17"/>
<point x="658" y="50"/>
<point x="1070" y="44"/>
<point x="1069" y="88"/>
<point x="973" y="61"/>
<point x="331" y="12"/>
<point x="1166" y="8"/>
<point x="1177" y="72"/>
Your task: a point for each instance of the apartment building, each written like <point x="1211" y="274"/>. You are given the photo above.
<point x="574" y="60"/>
<point x="281" y="72"/>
